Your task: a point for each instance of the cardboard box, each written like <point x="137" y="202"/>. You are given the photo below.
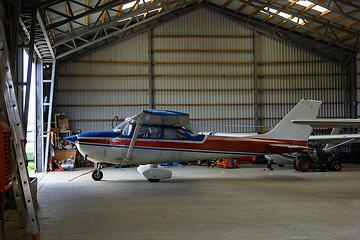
<point x="64" y="154"/>
<point x="56" y="130"/>
<point x="63" y="123"/>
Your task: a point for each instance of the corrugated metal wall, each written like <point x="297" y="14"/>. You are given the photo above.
<point x="202" y="64"/>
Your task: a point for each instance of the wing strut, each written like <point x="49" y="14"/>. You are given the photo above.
<point x="327" y="149"/>
<point x="139" y="123"/>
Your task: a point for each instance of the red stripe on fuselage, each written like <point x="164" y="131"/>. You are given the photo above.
<point x="212" y="143"/>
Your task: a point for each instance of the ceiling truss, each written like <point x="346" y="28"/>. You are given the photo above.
<point x="69" y="29"/>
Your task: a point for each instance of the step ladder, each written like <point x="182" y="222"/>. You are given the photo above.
<point x="7" y="89"/>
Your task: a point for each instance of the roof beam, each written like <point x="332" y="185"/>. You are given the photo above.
<point x="225" y="4"/>
<point x="91" y="11"/>
<point x="277" y="12"/>
<point x="301" y="12"/>
<point x="300" y="43"/>
<point x="139" y="11"/>
<point x="46" y="36"/>
<point x="103" y="17"/>
<point x="124" y="30"/>
<point x="301" y="16"/>
<point x="304" y="26"/>
<point x="174" y="15"/>
<point x="258" y="10"/>
<point x="348" y="3"/>
<point x="241" y="8"/>
<point x="336" y="10"/>
<point x="119" y="13"/>
<point x="330" y="22"/>
<point x="27" y="33"/>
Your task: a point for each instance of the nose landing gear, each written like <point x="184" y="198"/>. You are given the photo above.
<point x="97" y="175"/>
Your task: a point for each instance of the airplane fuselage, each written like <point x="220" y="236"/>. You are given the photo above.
<point x="111" y="147"/>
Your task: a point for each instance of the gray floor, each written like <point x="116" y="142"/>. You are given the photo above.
<point x="198" y="203"/>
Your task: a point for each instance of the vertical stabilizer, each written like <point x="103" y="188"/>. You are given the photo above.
<point x="286" y="130"/>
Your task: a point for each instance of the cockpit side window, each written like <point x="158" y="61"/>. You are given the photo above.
<point x="170" y="133"/>
<point x="149" y="132"/>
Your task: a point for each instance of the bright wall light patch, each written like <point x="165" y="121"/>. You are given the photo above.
<point x="131" y="4"/>
<point x="306" y="3"/>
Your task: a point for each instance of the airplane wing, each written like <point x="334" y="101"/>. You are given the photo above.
<point x="329" y="122"/>
<point x="337" y="138"/>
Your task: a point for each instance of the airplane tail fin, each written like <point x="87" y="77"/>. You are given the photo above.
<point x="286" y="130"/>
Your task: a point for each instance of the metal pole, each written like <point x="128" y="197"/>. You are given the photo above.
<point x="51" y="81"/>
<point x="343" y="80"/>
<point x="29" y="70"/>
<point x="14" y="38"/>
<point x="150" y="71"/>
<point x="256" y="116"/>
<point x="353" y="88"/>
<point x="39" y="143"/>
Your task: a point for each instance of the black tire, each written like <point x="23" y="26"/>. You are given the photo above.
<point x="153" y="180"/>
<point x="336" y="166"/>
<point x="303" y="164"/>
<point x="97" y="176"/>
<point x="294" y="165"/>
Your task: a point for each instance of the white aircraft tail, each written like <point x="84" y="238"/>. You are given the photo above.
<point x="286" y="130"/>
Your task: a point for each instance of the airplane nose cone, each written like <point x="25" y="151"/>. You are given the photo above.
<point x="71" y="139"/>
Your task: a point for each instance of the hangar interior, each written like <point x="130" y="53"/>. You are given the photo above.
<point x="234" y="66"/>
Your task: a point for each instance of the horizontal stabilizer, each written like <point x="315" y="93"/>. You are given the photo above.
<point x="288" y="146"/>
<point x="328" y="122"/>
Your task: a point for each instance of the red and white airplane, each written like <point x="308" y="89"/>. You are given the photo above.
<point x="156" y="136"/>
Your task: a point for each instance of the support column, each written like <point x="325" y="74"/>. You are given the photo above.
<point x="150" y="71"/>
<point x="353" y="87"/>
<point x="256" y="109"/>
<point x="29" y="70"/>
<point x="14" y="39"/>
<point x="343" y="81"/>
<point x="39" y="143"/>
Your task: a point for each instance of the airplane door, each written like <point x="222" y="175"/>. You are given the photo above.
<point x="148" y="144"/>
<point x="174" y="146"/>
<point x="170" y="146"/>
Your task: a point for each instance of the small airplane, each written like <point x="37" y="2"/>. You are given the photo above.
<point x="153" y="137"/>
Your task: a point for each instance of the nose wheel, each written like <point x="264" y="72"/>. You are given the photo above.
<point x="97" y="175"/>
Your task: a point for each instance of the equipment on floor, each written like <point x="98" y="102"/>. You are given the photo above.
<point x="316" y="159"/>
<point x="5" y="168"/>
<point x="228" y="163"/>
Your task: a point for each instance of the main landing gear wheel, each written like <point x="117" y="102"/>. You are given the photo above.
<point x="153" y="180"/>
<point x="303" y="164"/>
<point x="97" y="175"/>
<point x="294" y="165"/>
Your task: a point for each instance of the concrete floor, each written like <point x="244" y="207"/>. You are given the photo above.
<point x="198" y="203"/>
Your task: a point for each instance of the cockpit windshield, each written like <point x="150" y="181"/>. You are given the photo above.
<point x="191" y="132"/>
<point x="125" y="127"/>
